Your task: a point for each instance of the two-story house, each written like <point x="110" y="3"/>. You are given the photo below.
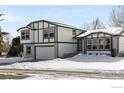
<point x="48" y="40"/>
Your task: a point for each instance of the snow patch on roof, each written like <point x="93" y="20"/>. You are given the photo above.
<point x="113" y="31"/>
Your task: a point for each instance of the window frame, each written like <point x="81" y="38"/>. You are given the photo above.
<point x="28" y="50"/>
<point x="98" y="44"/>
<point x="48" y="31"/>
<point x="25" y="35"/>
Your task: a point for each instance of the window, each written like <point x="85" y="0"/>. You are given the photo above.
<point x="28" y="50"/>
<point x="94" y="43"/>
<point x="45" y="33"/>
<point x="89" y="47"/>
<point x="89" y="42"/>
<point x="107" y="43"/>
<point x="74" y="32"/>
<point x="94" y="47"/>
<point x="25" y="35"/>
<point x="51" y="35"/>
<point x="101" y="35"/>
<point x="49" y="32"/>
<point x="99" y="43"/>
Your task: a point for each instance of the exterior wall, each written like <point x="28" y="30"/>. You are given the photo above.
<point x="83" y="44"/>
<point x="64" y="48"/>
<point x="115" y="43"/>
<point x="41" y="35"/>
<point x="35" y="35"/>
<point x="121" y="44"/>
<point x="65" y="34"/>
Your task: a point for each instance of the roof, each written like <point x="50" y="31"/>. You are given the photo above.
<point x="54" y="23"/>
<point x="26" y="27"/>
<point x="112" y="31"/>
<point x="57" y="23"/>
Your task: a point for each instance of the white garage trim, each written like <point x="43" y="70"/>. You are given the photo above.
<point x="42" y="49"/>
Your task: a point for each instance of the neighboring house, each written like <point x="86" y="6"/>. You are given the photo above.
<point x="48" y="40"/>
<point x="102" y="40"/>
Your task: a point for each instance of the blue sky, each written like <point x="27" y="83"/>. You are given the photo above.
<point x="18" y="16"/>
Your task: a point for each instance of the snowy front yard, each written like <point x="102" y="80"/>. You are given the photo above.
<point x="4" y="60"/>
<point x="79" y="62"/>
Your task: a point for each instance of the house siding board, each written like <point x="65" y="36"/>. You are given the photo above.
<point x="65" y="48"/>
<point x="43" y="32"/>
<point x="36" y="35"/>
<point x="65" y="34"/>
<point x="40" y="25"/>
<point x="38" y="32"/>
<point x="35" y="25"/>
<point x="48" y="32"/>
<point x="121" y="44"/>
<point x="83" y="44"/>
<point x="33" y="33"/>
<point x="45" y="25"/>
<point x="40" y="35"/>
<point x="115" y="42"/>
<point x="56" y="44"/>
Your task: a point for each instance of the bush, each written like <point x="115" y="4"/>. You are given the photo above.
<point x="113" y="52"/>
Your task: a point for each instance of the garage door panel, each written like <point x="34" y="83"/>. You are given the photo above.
<point x="45" y="52"/>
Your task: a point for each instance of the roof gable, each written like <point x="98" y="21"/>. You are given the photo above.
<point x="57" y="23"/>
<point x="111" y="31"/>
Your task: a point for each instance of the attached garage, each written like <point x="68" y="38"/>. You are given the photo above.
<point x="45" y="52"/>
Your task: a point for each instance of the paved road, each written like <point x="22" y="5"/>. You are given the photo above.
<point x="66" y="74"/>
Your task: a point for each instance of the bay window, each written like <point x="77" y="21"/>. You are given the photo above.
<point x="98" y="44"/>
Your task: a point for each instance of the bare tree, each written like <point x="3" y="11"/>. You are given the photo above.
<point x="2" y="35"/>
<point x="95" y="24"/>
<point x="117" y="16"/>
<point x="7" y="43"/>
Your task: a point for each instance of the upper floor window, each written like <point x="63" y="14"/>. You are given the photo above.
<point x="25" y="35"/>
<point x="49" y="32"/>
<point x="74" y="32"/>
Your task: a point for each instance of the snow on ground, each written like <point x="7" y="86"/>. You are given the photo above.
<point x="52" y="77"/>
<point x="13" y="59"/>
<point x="79" y="62"/>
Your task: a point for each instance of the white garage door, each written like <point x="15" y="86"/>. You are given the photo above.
<point x="46" y="52"/>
